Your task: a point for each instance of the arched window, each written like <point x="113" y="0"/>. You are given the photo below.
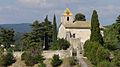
<point x="67" y="18"/>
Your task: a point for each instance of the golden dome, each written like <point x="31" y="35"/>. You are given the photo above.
<point x="67" y="12"/>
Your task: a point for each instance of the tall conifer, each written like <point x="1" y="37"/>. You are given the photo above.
<point x="95" y="30"/>
<point x="54" y="29"/>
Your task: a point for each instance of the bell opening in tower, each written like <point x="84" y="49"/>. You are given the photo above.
<point x="67" y="18"/>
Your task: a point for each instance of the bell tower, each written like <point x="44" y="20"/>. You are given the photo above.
<point x="67" y="16"/>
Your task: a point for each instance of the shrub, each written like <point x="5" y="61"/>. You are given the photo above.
<point x="72" y="61"/>
<point x="29" y="60"/>
<point x="1" y="59"/>
<point x="23" y="56"/>
<point x="102" y="54"/>
<point x="42" y="65"/>
<point x="8" y="59"/>
<point x="105" y="64"/>
<point x="39" y="59"/>
<point x="95" y="52"/>
<point x="60" y="44"/>
<point x="116" y="59"/>
<point x="56" y="61"/>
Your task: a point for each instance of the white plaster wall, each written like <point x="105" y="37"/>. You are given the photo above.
<point x="61" y="32"/>
<point x="83" y="34"/>
<point x="64" y="19"/>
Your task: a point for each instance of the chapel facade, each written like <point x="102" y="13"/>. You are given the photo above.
<point x="76" y="32"/>
<point x="70" y="29"/>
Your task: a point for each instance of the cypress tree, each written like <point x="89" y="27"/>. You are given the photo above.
<point x="95" y="30"/>
<point x="54" y="29"/>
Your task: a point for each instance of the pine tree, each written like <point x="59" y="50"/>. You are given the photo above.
<point x="7" y="37"/>
<point x="95" y="30"/>
<point x="118" y="19"/>
<point x="54" y="29"/>
<point x="47" y="32"/>
<point x="112" y="35"/>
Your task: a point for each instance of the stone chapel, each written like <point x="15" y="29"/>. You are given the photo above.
<point x="76" y="32"/>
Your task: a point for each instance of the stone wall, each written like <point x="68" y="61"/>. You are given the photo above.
<point x="61" y="53"/>
<point x="48" y="54"/>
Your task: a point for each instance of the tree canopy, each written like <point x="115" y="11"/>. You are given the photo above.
<point x="54" y="29"/>
<point x="7" y="37"/>
<point x="80" y="17"/>
<point x="112" y="35"/>
<point x="95" y="30"/>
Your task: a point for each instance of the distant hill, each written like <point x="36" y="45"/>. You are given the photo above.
<point x="22" y="28"/>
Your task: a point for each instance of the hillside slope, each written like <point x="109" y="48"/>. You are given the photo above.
<point x="22" y="28"/>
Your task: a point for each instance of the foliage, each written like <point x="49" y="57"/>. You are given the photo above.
<point x="118" y="19"/>
<point x="112" y="36"/>
<point x="98" y="52"/>
<point x="41" y="33"/>
<point x="1" y="57"/>
<point x="72" y="61"/>
<point x="29" y="60"/>
<point x="39" y="59"/>
<point x="8" y="59"/>
<point x="60" y="44"/>
<point x="18" y="44"/>
<point x="95" y="52"/>
<point x="116" y="59"/>
<point x="42" y="65"/>
<point x="95" y="30"/>
<point x="110" y="39"/>
<point x="33" y="45"/>
<point x="87" y="48"/>
<point x="47" y="32"/>
<point x="6" y="37"/>
<point x="33" y="56"/>
<point x="54" y="30"/>
<point x="102" y="54"/>
<point x="90" y="49"/>
<point x="105" y="64"/>
<point x="35" y="48"/>
<point x="80" y="17"/>
<point x="56" y="61"/>
<point x="23" y="56"/>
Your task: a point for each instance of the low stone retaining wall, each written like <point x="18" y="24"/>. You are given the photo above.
<point x="61" y="53"/>
<point x="48" y="54"/>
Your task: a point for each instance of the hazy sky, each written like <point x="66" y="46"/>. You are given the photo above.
<point x="26" y="11"/>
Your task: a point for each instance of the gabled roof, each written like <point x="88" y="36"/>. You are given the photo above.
<point x="77" y="24"/>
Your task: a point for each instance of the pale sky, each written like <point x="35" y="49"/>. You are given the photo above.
<point x="26" y="11"/>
